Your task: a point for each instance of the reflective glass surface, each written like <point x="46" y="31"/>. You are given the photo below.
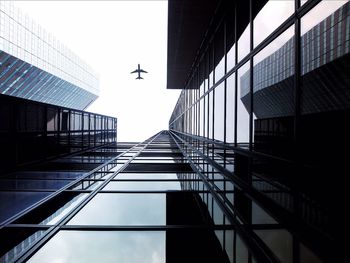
<point x="152" y="161"/>
<point x="279" y="241"/>
<point x="21" y="243"/>
<point x="45" y="175"/>
<point x="270" y="17"/>
<point x="219" y="112"/>
<point x="14" y="202"/>
<point x="91" y="246"/>
<point x="243" y="29"/>
<point x="230" y="109"/>
<point x="64" y="210"/>
<point x="129" y="176"/>
<point x="32" y="184"/>
<point x="147" y="186"/>
<point x="243" y="105"/>
<point x="123" y="209"/>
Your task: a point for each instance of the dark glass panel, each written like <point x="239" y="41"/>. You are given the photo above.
<point x="279" y="241"/>
<point x="273" y="97"/>
<point x="12" y="203"/>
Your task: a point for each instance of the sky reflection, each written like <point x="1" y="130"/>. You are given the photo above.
<point x="91" y="246"/>
<point x="123" y="209"/>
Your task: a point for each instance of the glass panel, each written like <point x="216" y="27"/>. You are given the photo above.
<point x="259" y="216"/>
<point x="64" y="210"/>
<point x="243" y="100"/>
<point x="210" y="114"/>
<point x="241" y="251"/>
<point x="201" y="117"/>
<point x="324" y="41"/>
<point x="92" y="246"/>
<point x="230" y="109"/>
<point x="280" y="242"/>
<point x="322" y="11"/>
<point x="273" y="96"/>
<point x="12" y="203"/>
<point x="123" y="209"/>
<point x="243" y="29"/>
<point x="272" y="15"/>
<point x="161" y="176"/>
<point x="231" y="58"/>
<point x="229" y="236"/>
<point x="219" y="112"/>
<point x="220" y="236"/>
<point x="156" y="158"/>
<point x="217" y="214"/>
<point x="32" y="184"/>
<point x="147" y="186"/>
<point x="219" y="53"/>
<point x="230" y="38"/>
<point x="45" y="175"/>
<point x="205" y="134"/>
<point x="152" y="161"/>
<point x="325" y="93"/>
<point x="307" y="256"/>
<point x="303" y="2"/>
<point x="21" y="240"/>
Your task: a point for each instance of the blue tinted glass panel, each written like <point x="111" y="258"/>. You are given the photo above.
<point x="13" y="202"/>
<point x="46" y="175"/>
<point x="32" y="184"/>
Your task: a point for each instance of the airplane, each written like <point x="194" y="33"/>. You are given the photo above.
<point x="139" y="71"/>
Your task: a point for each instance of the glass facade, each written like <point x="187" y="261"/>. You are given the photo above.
<point x="142" y="203"/>
<point x="271" y="122"/>
<point x="32" y="131"/>
<point x="35" y="65"/>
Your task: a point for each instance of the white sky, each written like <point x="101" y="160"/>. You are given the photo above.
<point x="113" y="37"/>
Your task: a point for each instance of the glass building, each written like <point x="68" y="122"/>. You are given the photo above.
<point x="44" y="149"/>
<point x="34" y="65"/>
<point x="265" y="99"/>
<point x="251" y="168"/>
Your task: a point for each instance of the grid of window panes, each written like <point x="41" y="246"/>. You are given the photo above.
<point x="216" y="104"/>
<point x="23" y="38"/>
<point x="32" y="131"/>
<point x="21" y="79"/>
<point x="268" y="72"/>
<point x="140" y="205"/>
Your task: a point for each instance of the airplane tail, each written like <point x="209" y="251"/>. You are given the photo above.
<point x="139" y="78"/>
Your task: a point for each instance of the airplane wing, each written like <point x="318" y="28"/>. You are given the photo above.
<point x="135" y="71"/>
<point x="141" y="70"/>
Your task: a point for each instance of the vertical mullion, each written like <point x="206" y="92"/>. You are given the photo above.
<point x="235" y="83"/>
<point x="225" y="81"/>
<point x="251" y="75"/>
